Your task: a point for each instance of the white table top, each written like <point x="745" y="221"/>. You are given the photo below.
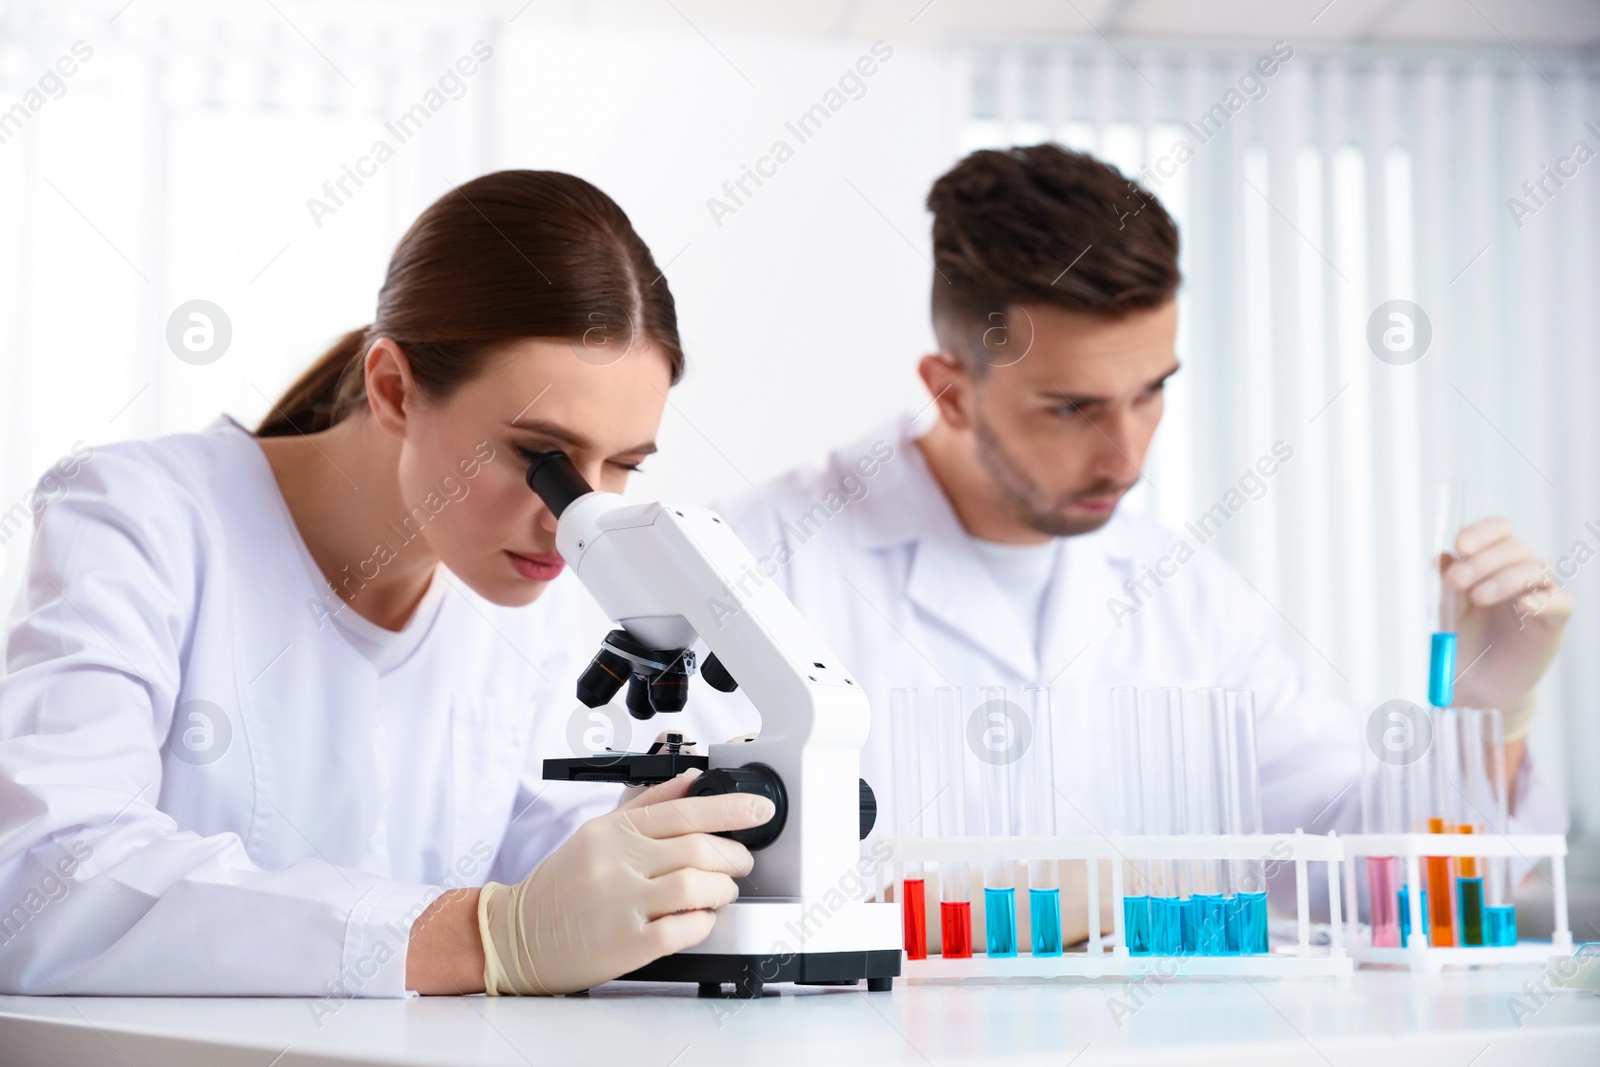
<point x="1376" y="1017"/>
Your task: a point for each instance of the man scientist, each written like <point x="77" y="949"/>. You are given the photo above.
<point x="982" y="544"/>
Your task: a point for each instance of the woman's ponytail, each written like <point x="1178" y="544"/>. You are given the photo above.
<point x="324" y="394"/>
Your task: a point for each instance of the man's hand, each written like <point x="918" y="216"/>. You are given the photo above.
<point x="1511" y="615"/>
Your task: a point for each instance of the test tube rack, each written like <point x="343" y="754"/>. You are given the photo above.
<point x="1412" y="849"/>
<point x="1298" y="849"/>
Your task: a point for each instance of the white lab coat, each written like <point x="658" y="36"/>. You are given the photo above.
<point x="279" y="838"/>
<point x="870" y="551"/>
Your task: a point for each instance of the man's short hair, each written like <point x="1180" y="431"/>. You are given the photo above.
<point x="1041" y="225"/>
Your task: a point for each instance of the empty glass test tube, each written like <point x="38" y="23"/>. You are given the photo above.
<point x="955" y="891"/>
<point x="1136" y="932"/>
<point x="906" y="737"/>
<point x="1039" y="820"/>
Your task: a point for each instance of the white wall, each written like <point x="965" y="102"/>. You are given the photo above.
<point x="803" y="311"/>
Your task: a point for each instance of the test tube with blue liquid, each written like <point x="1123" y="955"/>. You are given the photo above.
<point x="1206" y="771"/>
<point x="1246" y="910"/>
<point x="1499" y="909"/>
<point x="1039" y="820"/>
<point x="1416" y="818"/>
<point x="1442" y="653"/>
<point x="906" y="737"/>
<point x="1000" y="778"/>
<point x="955" y="892"/>
<point x="1136" y="932"/>
<point x="1161" y="748"/>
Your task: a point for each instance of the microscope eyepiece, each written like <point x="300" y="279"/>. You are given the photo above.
<point x="556" y="480"/>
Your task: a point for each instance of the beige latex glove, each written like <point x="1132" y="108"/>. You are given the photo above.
<point x="628" y="887"/>
<point x="1510" y="623"/>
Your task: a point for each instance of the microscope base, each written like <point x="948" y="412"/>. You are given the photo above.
<point x="749" y="973"/>
<point x="811" y="941"/>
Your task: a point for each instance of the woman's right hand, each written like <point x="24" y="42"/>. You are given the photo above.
<point x="628" y="887"/>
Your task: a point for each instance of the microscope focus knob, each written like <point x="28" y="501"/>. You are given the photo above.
<point x="869" y="808"/>
<point x="717" y="676"/>
<point x="755" y="778"/>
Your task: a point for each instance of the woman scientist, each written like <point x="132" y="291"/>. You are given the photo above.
<point x="272" y="699"/>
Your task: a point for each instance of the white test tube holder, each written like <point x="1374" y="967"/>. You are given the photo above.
<point x="1302" y="959"/>
<point x="1412" y="850"/>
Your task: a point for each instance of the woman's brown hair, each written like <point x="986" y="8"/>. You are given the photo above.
<point x="511" y="255"/>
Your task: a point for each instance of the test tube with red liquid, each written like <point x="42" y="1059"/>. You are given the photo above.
<point x="906" y="736"/>
<point x="955" y="891"/>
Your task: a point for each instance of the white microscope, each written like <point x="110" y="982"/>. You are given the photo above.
<point x="670" y="576"/>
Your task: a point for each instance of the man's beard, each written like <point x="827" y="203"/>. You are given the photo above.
<point x="1022" y="498"/>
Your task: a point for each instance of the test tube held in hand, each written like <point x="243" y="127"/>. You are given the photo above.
<point x="1247" y="911"/>
<point x="906" y="737"/>
<point x="1442" y="651"/>
<point x="1136" y="932"/>
<point x="999" y="775"/>
<point x="1039" y="820"/>
<point x="955" y="892"/>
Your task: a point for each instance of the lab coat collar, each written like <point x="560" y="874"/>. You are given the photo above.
<point x="904" y="487"/>
<point x="950" y="582"/>
<point x="1075" y="615"/>
<point x="385" y="649"/>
